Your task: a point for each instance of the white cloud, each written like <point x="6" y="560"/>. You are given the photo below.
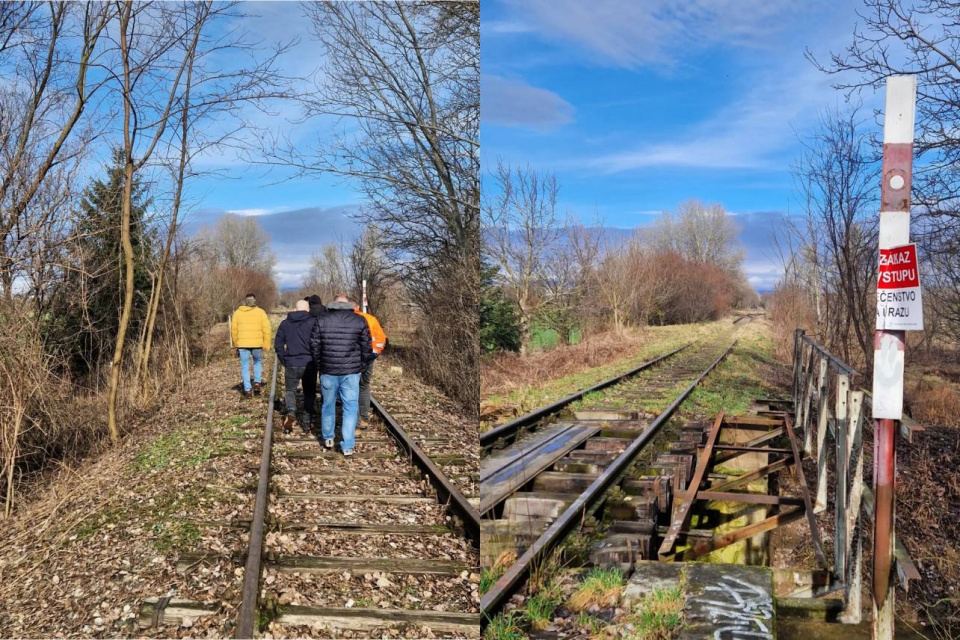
<point x="514" y="103"/>
<point x="747" y="134"/>
<point x="657" y="32"/>
<point x="250" y="212"/>
<point x="504" y="27"/>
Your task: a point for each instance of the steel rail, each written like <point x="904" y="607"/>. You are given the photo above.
<point x="246" y="619"/>
<point x="584" y="505"/>
<point x="447" y="492"/>
<point x="506" y="430"/>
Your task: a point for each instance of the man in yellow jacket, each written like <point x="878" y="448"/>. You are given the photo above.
<point x="378" y="340"/>
<point x="250" y="330"/>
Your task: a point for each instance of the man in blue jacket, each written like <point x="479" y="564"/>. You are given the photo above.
<point x="292" y="345"/>
<point x="341" y="349"/>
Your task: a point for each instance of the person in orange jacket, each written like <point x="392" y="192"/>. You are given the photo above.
<point x="378" y="340"/>
<point x="250" y="330"/>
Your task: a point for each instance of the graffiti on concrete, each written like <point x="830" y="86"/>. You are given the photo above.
<point x="741" y="610"/>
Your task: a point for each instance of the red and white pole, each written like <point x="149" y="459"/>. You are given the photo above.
<point x="363" y="303"/>
<point x="888" y="356"/>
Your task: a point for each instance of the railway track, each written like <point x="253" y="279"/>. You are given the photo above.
<point x="381" y="543"/>
<point x="535" y="492"/>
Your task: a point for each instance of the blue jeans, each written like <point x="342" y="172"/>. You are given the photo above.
<point x="348" y="389"/>
<point x="245" y="366"/>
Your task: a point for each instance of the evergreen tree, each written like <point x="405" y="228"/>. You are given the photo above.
<point x="87" y="303"/>
<point x="499" y="320"/>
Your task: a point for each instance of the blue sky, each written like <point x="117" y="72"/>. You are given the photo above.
<point x="300" y="214"/>
<point x="639" y="105"/>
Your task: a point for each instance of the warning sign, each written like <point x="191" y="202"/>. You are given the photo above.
<point x="899" y="306"/>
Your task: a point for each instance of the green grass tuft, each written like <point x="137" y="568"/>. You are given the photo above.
<point x="504" y="627"/>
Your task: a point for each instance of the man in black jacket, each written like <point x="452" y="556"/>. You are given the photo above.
<point x="341" y="349"/>
<point x="292" y="345"/>
<point x="310" y="373"/>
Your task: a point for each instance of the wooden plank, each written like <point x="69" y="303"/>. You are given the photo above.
<point x="823" y="419"/>
<point x="767" y="437"/>
<point x="683" y="513"/>
<point x="328" y="497"/>
<point x="521" y="470"/>
<point x="751" y="421"/>
<point x="333" y="564"/>
<point x="159" y="611"/>
<point x="465" y="625"/>
<point x="805" y="492"/>
<point x="853" y="577"/>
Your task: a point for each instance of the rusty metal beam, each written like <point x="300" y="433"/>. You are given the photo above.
<point x="683" y="513"/>
<point x="753" y="475"/>
<point x="805" y="493"/>
<point x="720" y="541"/>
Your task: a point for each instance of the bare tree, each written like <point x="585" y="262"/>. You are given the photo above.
<point x="702" y="233"/>
<point x="153" y="63"/>
<point x="836" y="247"/>
<point x="522" y="229"/>
<point x="239" y="242"/>
<point x="406" y="76"/>
<point x="368" y="263"/>
<point x="329" y="272"/>
<point x="41" y="107"/>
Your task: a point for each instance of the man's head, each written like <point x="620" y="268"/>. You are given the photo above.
<point x="303" y="305"/>
<point x="250" y="300"/>
<point x="314" y="299"/>
<point x="341" y="298"/>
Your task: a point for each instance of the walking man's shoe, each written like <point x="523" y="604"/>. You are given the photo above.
<point x="256" y="388"/>
<point x="248" y="394"/>
<point x="328" y="443"/>
<point x="288" y="421"/>
<point x="363" y="424"/>
<point x="348" y="453"/>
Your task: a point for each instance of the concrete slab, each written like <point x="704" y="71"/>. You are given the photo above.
<point x="723" y="602"/>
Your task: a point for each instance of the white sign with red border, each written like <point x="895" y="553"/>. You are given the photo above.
<point x="899" y="304"/>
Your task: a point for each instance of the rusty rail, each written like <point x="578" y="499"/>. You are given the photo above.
<point x="585" y="504"/>
<point x="510" y="429"/>
<point x="247" y="617"/>
<point x="447" y="493"/>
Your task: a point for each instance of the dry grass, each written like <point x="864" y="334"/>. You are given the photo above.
<point x="601" y="587"/>
<point x="504" y="372"/>
<point x="935" y="402"/>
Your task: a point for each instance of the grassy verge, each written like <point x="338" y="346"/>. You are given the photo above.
<point x="746" y="374"/>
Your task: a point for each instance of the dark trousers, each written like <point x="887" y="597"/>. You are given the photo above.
<point x="310" y="375"/>
<point x="365" y="376"/>
<point x="292" y="376"/>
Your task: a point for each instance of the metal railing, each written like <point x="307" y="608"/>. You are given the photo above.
<point x="831" y="411"/>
